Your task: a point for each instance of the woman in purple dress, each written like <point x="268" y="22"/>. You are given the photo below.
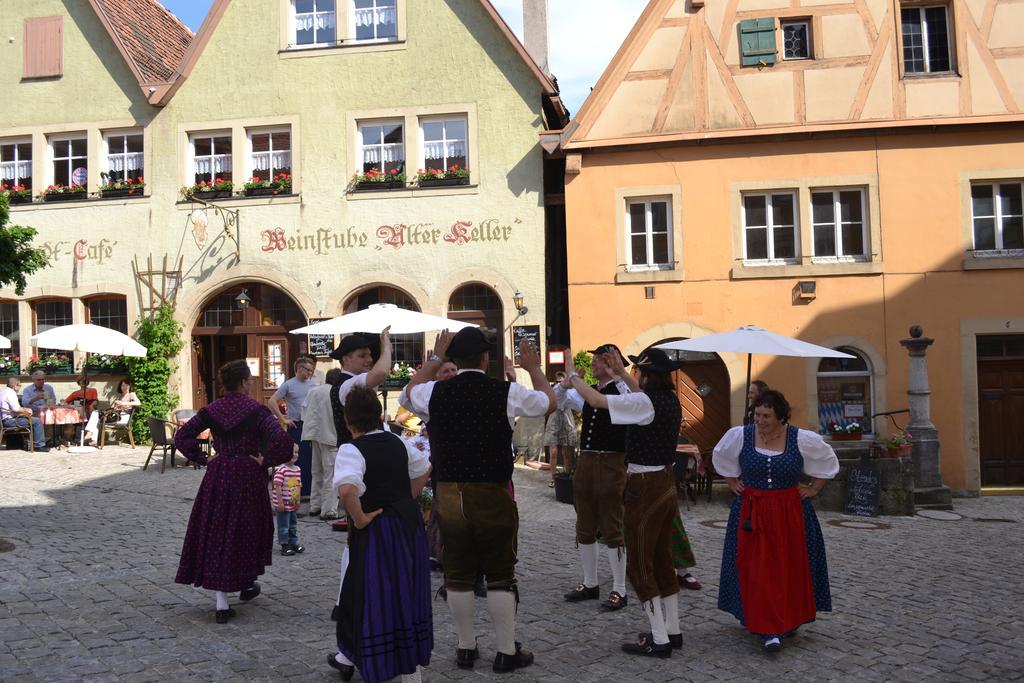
<point x="231" y="531"/>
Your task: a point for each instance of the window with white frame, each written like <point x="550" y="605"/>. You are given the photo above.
<point x="770" y="227"/>
<point x="926" y="39"/>
<point x="315" y="22"/>
<point x="124" y="156"/>
<point x="444" y="143"/>
<point x="16" y="163"/>
<point x="846" y="391"/>
<point x="70" y="160"/>
<point x="270" y="152"/>
<point x="211" y="156"/>
<point x="382" y="147"/>
<point x="998" y="215"/>
<point x="374" y="20"/>
<point x="796" y="39"/>
<point x="839" y="218"/>
<point x="649" y="244"/>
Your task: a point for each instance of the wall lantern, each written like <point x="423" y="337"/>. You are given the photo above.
<point x="243" y="300"/>
<point x="517" y="301"/>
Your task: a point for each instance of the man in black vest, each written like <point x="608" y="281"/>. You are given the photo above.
<point x="600" y="478"/>
<point x="471" y="418"/>
<point x="653" y="416"/>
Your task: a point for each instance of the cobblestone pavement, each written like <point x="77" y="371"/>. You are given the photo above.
<point x="88" y="593"/>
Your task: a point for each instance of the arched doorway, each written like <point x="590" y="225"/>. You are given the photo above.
<point x="224" y="331"/>
<point x="702" y="386"/>
<point x="406" y="348"/>
<point x="481" y="305"/>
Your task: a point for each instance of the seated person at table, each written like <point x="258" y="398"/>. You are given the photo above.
<point x="87" y="397"/>
<point x="13" y="415"/>
<point x="39" y="394"/>
<point x="119" y="412"/>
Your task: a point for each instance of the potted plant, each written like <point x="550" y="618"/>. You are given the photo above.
<point x="10" y="364"/>
<point x="375" y="179"/>
<point x="103" y="363"/>
<point x="279" y="184"/>
<point x="218" y="188"/>
<point x="399" y="376"/>
<point x="64" y="193"/>
<point x="439" y="177"/>
<point x="17" y="194"/>
<point x="129" y="187"/>
<point x="898" y="444"/>
<point x="850" y="432"/>
<point x="50" y="363"/>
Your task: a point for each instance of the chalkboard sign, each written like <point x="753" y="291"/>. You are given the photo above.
<point x="521" y="332"/>
<point x="321" y="345"/>
<point x="863" y="490"/>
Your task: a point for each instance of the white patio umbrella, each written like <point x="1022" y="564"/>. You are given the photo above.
<point x="376" y="317"/>
<point x="751" y="339"/>
<point x="90" y="339"/>
<point x="5" y="343"/>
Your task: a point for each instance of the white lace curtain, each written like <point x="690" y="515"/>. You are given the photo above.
<point x="117" y="162"/>
<point x="13" y="170"/>
<point x="385" y="153"/>
<point x="441" y="150"/>
<point x="214" y="165"/>
<point x="318" y="20"/>
<point x="263" y="161"/>
<point x="371" y="16"/>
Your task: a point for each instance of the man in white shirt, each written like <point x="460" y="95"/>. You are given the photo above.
<point x="13" y="415"/>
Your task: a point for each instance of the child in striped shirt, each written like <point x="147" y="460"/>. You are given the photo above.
<point x="285" y="500"/>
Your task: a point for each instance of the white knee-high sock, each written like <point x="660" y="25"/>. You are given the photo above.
<point x="670" y="608"/>
<point x="502" y="606"/>
<point x="588" y="558"/>
<point x="463" y="606"/>
<point x="413" y="677"/>
<point x="222" y="600"/>
<point x="652" y="608"/>
<point x="617" y="559"/>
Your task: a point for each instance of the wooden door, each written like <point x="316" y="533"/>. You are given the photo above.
<point x="274" y="366"/>
<point x="1001" y="427"/>
<point x="706" y="417"/>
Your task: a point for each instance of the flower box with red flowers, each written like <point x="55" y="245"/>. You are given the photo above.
<point x="375" y="179"/>
<point x="218" y="188"/>
<point x="437" y="177"/>
<point x="129" y="187"/>
<point x="51" y="364"/>
<point x="10" y="364"/>
<point x="279" y="184"/>
<point x="16" y="194"/>
<point x="64" y="193"/>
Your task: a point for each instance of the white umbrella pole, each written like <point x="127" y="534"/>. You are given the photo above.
<point x="746" y="389"/>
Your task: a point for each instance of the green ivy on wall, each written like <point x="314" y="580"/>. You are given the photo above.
<point x="150" y="376"/>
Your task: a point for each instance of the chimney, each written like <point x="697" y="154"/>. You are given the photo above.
<point x="535" y="31"/>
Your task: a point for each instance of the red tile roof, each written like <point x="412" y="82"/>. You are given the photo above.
<point x="153" y="38"/>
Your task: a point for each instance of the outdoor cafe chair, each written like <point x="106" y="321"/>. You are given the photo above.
<point x="114" y="426"/>
<point x="158" y="434"/>
<point x="26" y="433"/>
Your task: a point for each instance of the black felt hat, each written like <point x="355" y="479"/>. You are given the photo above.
<point x="353" y="342"/>
<point x="655" y="360"/>
<point x="469" y="341"/>
<point x="610" y="348"/>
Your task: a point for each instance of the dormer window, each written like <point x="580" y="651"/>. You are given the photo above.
<point x="374" y="19"/>
<point x="315" y="22"/>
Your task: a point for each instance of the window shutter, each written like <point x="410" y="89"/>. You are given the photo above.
<point x="44" y="47"/>
<point x="757" y="41"/>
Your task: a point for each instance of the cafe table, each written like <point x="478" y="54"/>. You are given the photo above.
<point x="59" y="415"/>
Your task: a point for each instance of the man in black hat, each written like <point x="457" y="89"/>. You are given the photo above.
<point x="600" y="478"/>
<point x="471" y="418"/>
<point x="653" y="416"/>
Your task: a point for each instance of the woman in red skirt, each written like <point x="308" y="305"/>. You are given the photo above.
<point x="774" y="574"/>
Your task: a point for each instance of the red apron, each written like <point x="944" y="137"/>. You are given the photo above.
<point x="774" y="571"/>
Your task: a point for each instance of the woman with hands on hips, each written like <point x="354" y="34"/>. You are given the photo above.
<point x="774" y="574"/>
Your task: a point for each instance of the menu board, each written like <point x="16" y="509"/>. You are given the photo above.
<point x="521" y="332"/>
<point x="320" y="345"/>
<point x="863" y="490"/>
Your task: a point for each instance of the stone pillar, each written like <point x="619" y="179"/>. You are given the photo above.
<point x="929" y="491"/>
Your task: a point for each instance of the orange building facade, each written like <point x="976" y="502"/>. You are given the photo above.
<point x="832" y="171"/>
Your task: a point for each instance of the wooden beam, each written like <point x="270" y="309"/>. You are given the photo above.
<point x="738" y="103"/>
<point x="1007" y="51"/>
<point x="805" y="64"/>
<point x="962" y="14"/>
<point x="727" y="25"/>
<point x="867" y="20"/>
<point x="993" y="69"/>
<point x="871" y="73"/>
<point x="802" y="11"/>
<point x="987" y="17"/>
<point x="673" y="85"/>
<point x="799" y="97"/>
<point x="649" y="75"/>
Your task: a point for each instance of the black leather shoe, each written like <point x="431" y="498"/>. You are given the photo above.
<point x="224" y="614"/>
<point x="504" y="663"/>
<point x="298" y="548"/>
<point x="676" y="640"/>
<point x="346" y="670"/>
<point x="250" y="593"/>
<point x="464" y="658"/>
<point x="581" y="592"/>
<point x="647" y="647"/>
<point x="614" y="602"/>
<point x="314" y="512"/>
<point x="772" y="645"/>
<point x="286" y="549"/>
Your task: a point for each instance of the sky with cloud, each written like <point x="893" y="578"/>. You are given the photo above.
<point x="583" y="36"/>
